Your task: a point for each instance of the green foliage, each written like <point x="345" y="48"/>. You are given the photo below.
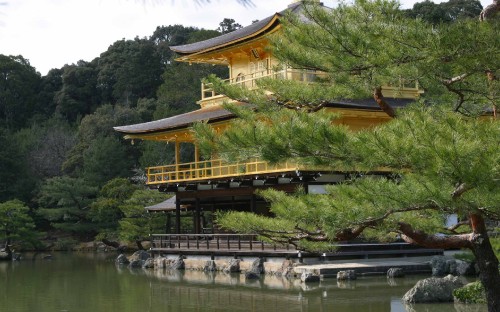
<point x="65" y="243"/>
<point x="465" y="256"/>
<point x="65" y="202"/>
<point x="445" y="12"/>
<point x="105" y="159"/>
<point x="16" y="224"/>
<point x="19" y="84"/>
<point x="345" y="44"/>
<point x="78" y="95"/>
<point x="12" y="168"/>
<point x="470" y="293"/>
<point x="495" y="243"/>
<point x="129" y="70"/>
<point x="138" y="223"/>
<point x="105" y="211"/>
<point x="228" y="25"/>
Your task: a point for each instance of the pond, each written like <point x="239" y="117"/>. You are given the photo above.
<point x="92" y="282"/>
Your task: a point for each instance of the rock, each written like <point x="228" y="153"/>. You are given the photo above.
<point x="177" y="264"/>
<point x="346" y="275"/>
<point x="395" y="272"/>
<point x="309" y="278"/>
<point x="465" y="268"/>
<point x="233" y="266"/>
<point x="258" y="266"/>
<point x="5" y="255"/>
<point x="440" y="266"/>
<point x="139" y="255"/>
<point x="286" y="269"/>
<point x="251" y="275"/>
<point x="149" y="264"/>
<point x="210" y="266"/>
<point x="433" y="289"/>
<point x="451" y="264"/>
<point x="122" y="260"/>
<point x="159" y="263"/>
<point x="136" y="264"/>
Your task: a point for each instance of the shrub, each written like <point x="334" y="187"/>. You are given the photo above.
<point x="470" y="293"/>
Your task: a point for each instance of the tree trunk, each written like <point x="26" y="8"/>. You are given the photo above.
<point x="477" y="241"/>
<point x="488" y="264"/>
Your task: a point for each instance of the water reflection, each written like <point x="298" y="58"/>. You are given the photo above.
<point x="85" y="282"/>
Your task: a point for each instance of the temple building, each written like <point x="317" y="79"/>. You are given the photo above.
<point x="202" y="187"/>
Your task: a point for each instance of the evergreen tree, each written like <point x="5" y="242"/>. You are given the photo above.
<point x="139" y="223"/>
<point x="442" y="160"/>
<point x="16" y="224"/>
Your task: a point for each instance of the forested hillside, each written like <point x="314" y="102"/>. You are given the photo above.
<point x="62" y="166"/>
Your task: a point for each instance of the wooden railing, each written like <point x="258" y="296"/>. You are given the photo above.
<point x="249" y="81"/>
<point x="211" y="169"/>
<point x="250" y="244"/>
<point x="215" y="242"/>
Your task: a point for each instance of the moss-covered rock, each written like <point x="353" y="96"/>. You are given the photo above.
<point x="470" y="293"/>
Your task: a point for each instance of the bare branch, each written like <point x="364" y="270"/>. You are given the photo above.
<point x="453" y="228"/>
<point x="423" y="239"/>
<point x="461" y="189"/>
<point x="379" y="98"/>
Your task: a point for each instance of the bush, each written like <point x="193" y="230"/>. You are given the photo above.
<point x="65" y="244"/>
<point x="470" y="293"/>
<point x="465" y="256"/>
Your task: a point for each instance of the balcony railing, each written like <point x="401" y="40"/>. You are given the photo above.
<point x="211" y="169"/>
<point x="249" y="81"/>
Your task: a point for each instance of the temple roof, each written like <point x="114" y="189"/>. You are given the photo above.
<point x="211" y="114"/>
<point x="218" y="113"/>
<point x="167" y="205"/>
<point x="236" y="36"/>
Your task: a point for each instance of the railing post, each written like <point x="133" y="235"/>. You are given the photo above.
<point x="239" y="242"/>
<point x="218" y="246"/>
<point x="187" y="238"/>
<point x="228" y="244"/>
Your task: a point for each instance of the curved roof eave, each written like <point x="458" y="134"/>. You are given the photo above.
<point x="210" y="114"/>
<point x="231" y="38"/>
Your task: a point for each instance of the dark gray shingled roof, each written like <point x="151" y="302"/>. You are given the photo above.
<point x="232" y="36"/>
<point x="168" y="205"/>
<point x="211" y="113"/>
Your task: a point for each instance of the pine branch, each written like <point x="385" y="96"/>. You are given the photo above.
<point x="423" y="239"/>
<point x="460" y="190"/>
<point x="379" y="98"/>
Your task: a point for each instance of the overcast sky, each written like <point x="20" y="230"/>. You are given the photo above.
<point x="51" y="33"/>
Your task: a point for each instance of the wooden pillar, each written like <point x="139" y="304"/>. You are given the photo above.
<point x="252" y="203"/>
<point x="168" y="224"/>
<point x="196" y="160"/>
<point x="197" y="214"/>
<point x="177" y="158"/>
<point x="177" y="216"/>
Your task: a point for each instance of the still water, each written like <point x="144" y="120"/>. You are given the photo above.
<point x="92" y="283"/>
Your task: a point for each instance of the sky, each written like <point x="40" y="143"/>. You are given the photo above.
<point x="52" y="33"/>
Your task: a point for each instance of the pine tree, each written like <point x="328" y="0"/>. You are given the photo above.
<point x="442" y="155"/>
